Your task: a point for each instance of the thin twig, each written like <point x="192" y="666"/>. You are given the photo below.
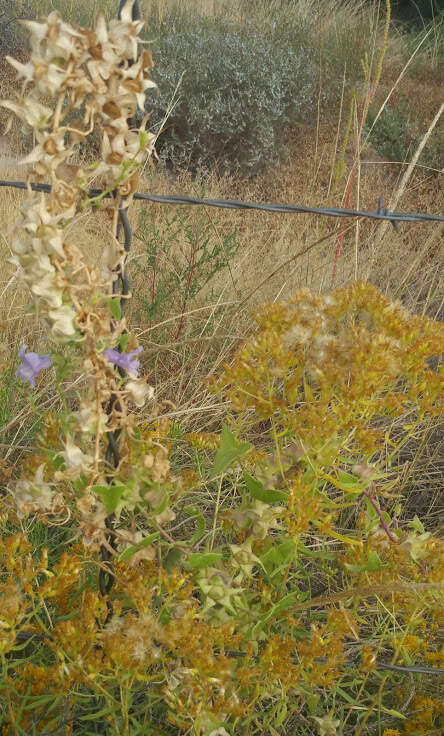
<point x="384" y="524"/>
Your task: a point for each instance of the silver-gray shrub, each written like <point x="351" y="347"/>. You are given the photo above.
<point x="239" y="94"/>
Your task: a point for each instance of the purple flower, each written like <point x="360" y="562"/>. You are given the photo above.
<point x="32" y="364"/>
<point x="124" y="360"/>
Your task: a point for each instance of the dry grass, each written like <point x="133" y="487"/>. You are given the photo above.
<point x="271" y="240"/>
<point x="271" y="262"/>
<point x="406" y="265"/>
<point x="259" y="10"/>
<point x="76" y="11"/>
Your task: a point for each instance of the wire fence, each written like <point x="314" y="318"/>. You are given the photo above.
<point x="381" y="213"/>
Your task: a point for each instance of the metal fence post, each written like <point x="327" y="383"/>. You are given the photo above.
<point x="112" y="455"/>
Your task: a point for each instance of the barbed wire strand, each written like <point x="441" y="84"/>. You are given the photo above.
<point x="178" y="199"/>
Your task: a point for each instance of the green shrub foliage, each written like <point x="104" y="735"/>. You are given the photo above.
<point x="396" y="135"/>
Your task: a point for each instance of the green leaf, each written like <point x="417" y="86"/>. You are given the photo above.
<point x="347" y="479"/>
<point x="354" y="568"/>
<point x="345" y="695"/>
<point x="63" y="367"/>
<point x="417" y="525"/>
<point x="274" y="611"/>
<point x="51" y="707"/>
<point x="80" y="483"/>
<point x="317" y="553"/>
<point x="144" y="137"/>
<point x="281" y="714"/>
<point x="96" y="714"/>
<point x="173" y="557"/>
<point x="260" y="493"/>
<point x="278" y="556"/>
<point x="72" y="614"/>
<point x="309" y="476"/>
<point x="40" y="700"/>
<point x="110" y="495"/>
<point x="229" y="451"/>
<point x="371" y="517"/>
<point x="391" y="712"/>
<point x="162" y="505"/>
<point x="374" y="562"/>
<point x="418" y="545"/>
<point x="312" y="702"/>
<point x="57" y="462"/>
<point x="124" y="340"/>
<point x="114" y="305"/>
<point x="406" y="656"/>
<point x="130" y="551"/>
<point x="346" y="482"/>
<point x="197" y="561"/>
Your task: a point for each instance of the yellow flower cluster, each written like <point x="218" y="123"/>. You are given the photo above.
<point x="326" y="367"/>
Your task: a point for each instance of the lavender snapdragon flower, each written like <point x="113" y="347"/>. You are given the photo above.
<point x="32" y="364"/>
<point x="124" y="360"/>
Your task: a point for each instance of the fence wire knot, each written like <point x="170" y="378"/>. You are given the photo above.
<point x="386" y="213"/>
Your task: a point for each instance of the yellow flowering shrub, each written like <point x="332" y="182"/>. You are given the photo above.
<point x="222" y="634"/>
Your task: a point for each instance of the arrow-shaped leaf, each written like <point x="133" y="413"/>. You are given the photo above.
<point x="266" y="495"/>
<point x="130" y="551"/>
<point x="346" y="482"/>
<point x="114" y="305"/>
<point x="229" y="451"/>
<point x="110" y="495"/>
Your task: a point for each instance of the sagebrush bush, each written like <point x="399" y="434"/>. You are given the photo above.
<point x="238" y="93"/>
